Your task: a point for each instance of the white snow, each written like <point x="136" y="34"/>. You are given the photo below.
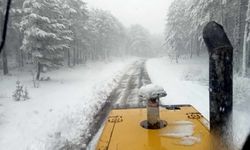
<point x="172" y="77"/>
<point x="92" y="145"/>
<point x="184" y="131"/>
<point x="60" y="110"/>
<point x="151" y="91"/>
<point x="187" y="83"/>
<point x="190" y="140"/>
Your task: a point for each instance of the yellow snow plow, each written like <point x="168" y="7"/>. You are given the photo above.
<point x="182" y="128"/>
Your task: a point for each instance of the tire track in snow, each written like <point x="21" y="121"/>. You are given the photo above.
<point x="125" y="95"/>
<point x="133" y="81"/>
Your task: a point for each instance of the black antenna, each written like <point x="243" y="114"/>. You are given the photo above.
<point x="5" y="27"/>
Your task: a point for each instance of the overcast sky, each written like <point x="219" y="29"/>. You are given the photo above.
<point x="149" y="13"/>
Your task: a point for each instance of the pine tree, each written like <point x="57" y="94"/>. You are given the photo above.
<point x="76" y="13"/>
<point x="21" y="93"/>
<point x="176" y="33"/>
<point x="139" y="42"/>
<point x="246" y="39"/>
<point x="14" y="27"/>
<point x="185" y="22"/>
<point x="105" y="33"/>
<point x="45" y="33"/>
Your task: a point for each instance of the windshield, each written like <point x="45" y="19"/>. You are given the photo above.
<point x="64" y="64"/>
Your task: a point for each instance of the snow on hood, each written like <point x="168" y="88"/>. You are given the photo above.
<point x="151" y="91"/>
<point x="184" y="130"/>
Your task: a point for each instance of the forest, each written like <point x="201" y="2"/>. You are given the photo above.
<point x="186" y="19"/>
<point x="53" y="33"/>
<point x="49" y="34"/>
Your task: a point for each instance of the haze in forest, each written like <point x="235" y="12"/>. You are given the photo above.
<point x="151" y="14"/>
<point x="65" y="64"/>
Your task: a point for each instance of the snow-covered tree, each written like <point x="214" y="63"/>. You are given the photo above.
<point x="45" y="33"/>
<point x="178" y="29"/>
<point x="246" y="44"/>
<point x="139" y="41"/>
<point x="21" y="93"/>
<point x="77" y="14"/>
<point x="186" y="19"/>
<point x="13" y="34"/>
<point x="105" y="32"/>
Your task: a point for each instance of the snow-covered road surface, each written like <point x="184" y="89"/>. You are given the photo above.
<point x="127" y="91"/>
<point x="67" y="111"/>
<point x="59" y="112"/>
<point x="124" y="95"/>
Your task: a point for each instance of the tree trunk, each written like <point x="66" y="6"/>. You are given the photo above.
<point x="5" y="62"/>
<point x="198" y="49"/>
<point x="78" y="53"/>
<point x="68" y="58"/>
<point x="22" y="58"/>
<point x="74" y="57"/>
<point x="4" y="55"/>
<point x="244" y="59"/>
<point x="248" y="56"/>
<point x="74" y="53"/>
<point x="39" y="68"/>
<point x="240" y="27"/>
<point x="191" y="49"/>
<point x="197" y="44"/>
<point x="222" y="12"/>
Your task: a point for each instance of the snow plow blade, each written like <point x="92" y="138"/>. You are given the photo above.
<point x="185" y="129"/>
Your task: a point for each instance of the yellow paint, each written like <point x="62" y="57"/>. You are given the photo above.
<point x="122" y="131"/>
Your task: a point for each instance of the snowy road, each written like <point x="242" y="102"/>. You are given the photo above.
<point x="180" y="91"/>
<point x="59" y="112"/>
<point x="125" y="95"/>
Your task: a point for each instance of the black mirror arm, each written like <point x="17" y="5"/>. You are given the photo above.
<point x="5" y="27"/>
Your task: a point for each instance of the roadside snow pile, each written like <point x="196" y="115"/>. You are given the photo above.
<point x="196" y="73"/>
<point x="184" y="83"/>
<point x="241" y="90"/>
<point x="60" y="110"/>
<point x="170" y="76"/>
<point x="200" y="73"/>
<point x="195" y="70"/>
<point x="21" y="93"/>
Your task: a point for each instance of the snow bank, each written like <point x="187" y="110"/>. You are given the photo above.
<point x="196" y="73"/>
<point x="241" y="90"/>
<point x="187" y="83"/>
<point x="180" y="91"/>
<point x="60" y="110"/>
